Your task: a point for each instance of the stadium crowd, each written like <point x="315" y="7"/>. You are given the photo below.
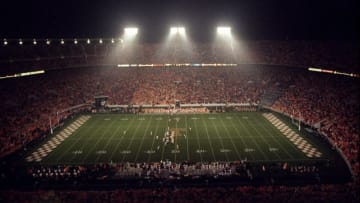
<point x="309" y="193"/>
<point x="329" y="104"/>
<point x="184" y="173"/>
<point x="31" y="106"/>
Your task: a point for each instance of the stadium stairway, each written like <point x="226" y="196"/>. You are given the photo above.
<point x="271" y="94"/>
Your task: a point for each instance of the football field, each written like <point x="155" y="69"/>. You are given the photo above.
<point x="252" y="136"/>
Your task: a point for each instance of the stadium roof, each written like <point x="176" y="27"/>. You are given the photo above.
<point x="280" y="19"/>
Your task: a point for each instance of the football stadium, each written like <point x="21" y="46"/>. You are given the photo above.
<point x="180" y="115"/>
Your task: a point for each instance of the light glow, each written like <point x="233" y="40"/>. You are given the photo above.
<point x="16" y="75"/>
<point x="333" y="72"/>
<point x="177" y="30"/>
<point x="123" y="65"/>
<point x="314" y="69"/>
<point x="224" y="65"/>
<point x="224" y="30"/>
<point x="181" y="30"/>
<point x="173" y="30"/>
<point x="132" y="31"/>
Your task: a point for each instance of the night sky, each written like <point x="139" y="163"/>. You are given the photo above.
<point x="252" y="19"/>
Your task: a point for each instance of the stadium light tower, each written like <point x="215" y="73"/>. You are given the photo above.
<point x="224" y="30"/>
<point x="177" y="30"/>
<point x="131" y="31"/>
<point x="226" y="42"/>
<point x="173" y="30"/>
<point x="181" y="30"/>
<point x="129" y="36"/>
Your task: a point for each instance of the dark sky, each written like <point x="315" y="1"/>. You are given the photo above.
<point x="251" y="19"/>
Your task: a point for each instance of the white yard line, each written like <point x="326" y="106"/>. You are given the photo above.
<point x="142" y="139"/>
<point x="221" y="139"/>
<point x="253" y="140"/>
<point x="232" y="142"/>
<point x="132" y="121"/>
<point x="209" y="140"/>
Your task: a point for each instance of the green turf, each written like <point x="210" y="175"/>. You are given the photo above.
<point x="213" y="137"/>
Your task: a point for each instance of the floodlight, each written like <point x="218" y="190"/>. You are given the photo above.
<point x="175" y="30"/>
<point x="112" y="41"/>
<point x="100" y="41"/>
<point x="131" y="31"/>
<point x="224" y="30"/>
<point x="88" y="41"/>
<point x="48" y="42"/>
<point x="5" y="42"/>
<point x="62" y="41"/>
<point x="34" y="42"/>
<point x="75" y="41"/>
<point x="20" y="42"/>
<point x="181" y="30"/>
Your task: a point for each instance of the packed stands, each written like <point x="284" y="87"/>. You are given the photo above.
<point x="327" y="102"/>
